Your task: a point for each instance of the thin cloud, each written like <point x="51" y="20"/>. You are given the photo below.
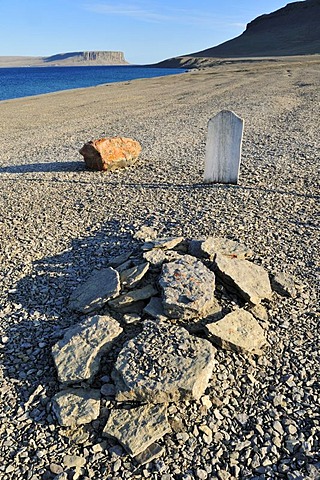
<point x="178" y="16"/>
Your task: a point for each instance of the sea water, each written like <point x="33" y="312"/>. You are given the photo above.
<point x="25" y="81"/>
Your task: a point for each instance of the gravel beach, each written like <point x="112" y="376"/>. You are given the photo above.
<point x="59" y="221"/>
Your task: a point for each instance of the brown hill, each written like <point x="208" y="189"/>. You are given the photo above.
<point x="291" y="30"/>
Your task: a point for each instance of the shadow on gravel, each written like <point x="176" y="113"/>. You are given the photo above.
<point x="79" y="166"/>
<point x="37" y="313"/>
<point x="44" y="167"/>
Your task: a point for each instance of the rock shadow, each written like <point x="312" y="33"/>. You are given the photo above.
<point x="46" y="167"/>
<point x="36" y="314"/>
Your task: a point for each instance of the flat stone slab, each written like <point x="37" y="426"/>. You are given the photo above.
<point x="131" y="277"/>
<point x="137" y="428"/>
<point x="250" y="281"/>
<point x="164" y="363"/>
<point x="167" y="243"/>
<point x="213" y="245"/>
<point x="187" y="288"/>
<point x="238" y="331"/>
<point x="77" y="355"/>
<point x="76" y="406"/>
<point x="101" y="286"/>
<point x="127" y="299"/>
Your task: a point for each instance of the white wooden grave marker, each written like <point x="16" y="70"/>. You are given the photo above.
<point x="223" y="149"/>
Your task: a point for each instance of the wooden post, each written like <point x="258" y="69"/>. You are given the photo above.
<point x="223" y="149"/>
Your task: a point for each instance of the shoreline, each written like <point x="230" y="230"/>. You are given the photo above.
<point x="59" y="222"/>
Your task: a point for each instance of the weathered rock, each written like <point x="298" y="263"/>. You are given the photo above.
<point x="163" y="363"/>
<point x="151" y="453"/>
<point x="187" y="287"/>
<point x="76" y="406"/>
<point x="127" y="299"/>
<point x="101" y="286"/>
<point x="154" y="308"/>
<point x="157" y="256"/>
<point x="110" y="153"/>
<point x="250" y="281"/>
<point x="238" y="331"/>
<point x="76" y="461"/>
<point x="213" y="245"/>
<point x="138" y="428"/>
<point x="131" y="277"/>
<point x="77" y="356"/>
<point x="120" y="259"/>
<point x="164" y="243"/>
<point x="284" y="284"/>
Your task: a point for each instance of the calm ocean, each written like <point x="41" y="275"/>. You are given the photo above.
<point x="25" y="81"/>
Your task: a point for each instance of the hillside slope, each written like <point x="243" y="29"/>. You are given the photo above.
<point x="290" y="31"/>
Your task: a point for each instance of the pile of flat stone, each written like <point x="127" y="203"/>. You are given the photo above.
<point x="170" y="289"/>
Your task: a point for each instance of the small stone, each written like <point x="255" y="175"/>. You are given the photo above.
<point x="130" y="318"/>
<point x="250" y="281"/>
<point x="131" y="277"/>
<point x="238" y="331"/>
<point x="284" y="284"/>
<point x="201" y="474"/>
<point x="206" y="402"/>
<point x="126" y="299"/>
<point x="108" y="390"/>
<point x="77" y="356"/>
<point x="74" y="407"/>
<point x="188" y="288"/>
<point x="278" y="427"/>
<point x="292" y="429"/>
<point x="137" y="428"/>
<point x="55" y="468"/>
<point x="70" y="461"/>
<point x="109" y="154"/>
<point x="151" y="453"/>
<point x="101" y="286"/>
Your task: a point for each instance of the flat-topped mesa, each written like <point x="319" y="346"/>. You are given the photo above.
<point x="87" y="58"/>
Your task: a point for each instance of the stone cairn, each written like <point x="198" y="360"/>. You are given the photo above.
<point x="166" y="293"/>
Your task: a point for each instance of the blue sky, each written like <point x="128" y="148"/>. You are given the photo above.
<point x="146" y="31"/>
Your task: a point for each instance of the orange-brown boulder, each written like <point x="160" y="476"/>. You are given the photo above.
<point x="110" y="153"/>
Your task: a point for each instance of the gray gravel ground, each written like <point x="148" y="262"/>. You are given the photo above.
<point x="58" y="222"/>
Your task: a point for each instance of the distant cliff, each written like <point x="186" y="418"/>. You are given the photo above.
<point x="291" y="30"/>
<point x="87" y="58"/>
<point x="67" y="59"/>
